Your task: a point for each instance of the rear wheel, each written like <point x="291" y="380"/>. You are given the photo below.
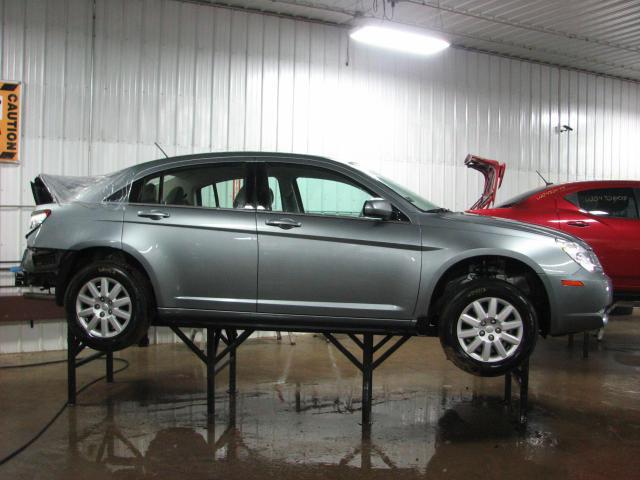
<point x="108" y="305"/>
<point x="487" y="327"/>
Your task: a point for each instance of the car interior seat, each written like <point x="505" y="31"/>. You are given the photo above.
<point x="149" y="194"/>
<point x="177" y="196"/>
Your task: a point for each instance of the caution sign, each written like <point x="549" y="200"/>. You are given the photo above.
<point x="10" y="122"/>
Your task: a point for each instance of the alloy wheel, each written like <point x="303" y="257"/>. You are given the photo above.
<point x="490" y="329"/>
<point x="103" y="307"/>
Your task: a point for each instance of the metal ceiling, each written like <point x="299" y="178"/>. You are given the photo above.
<point x="600" y="36"/>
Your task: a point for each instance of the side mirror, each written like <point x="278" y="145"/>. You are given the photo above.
<point x="378" y="208"/>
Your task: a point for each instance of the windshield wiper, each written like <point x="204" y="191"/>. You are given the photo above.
<point x="438" y="210"/>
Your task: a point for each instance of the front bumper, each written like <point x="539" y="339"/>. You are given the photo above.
<point x="579" y="308"/>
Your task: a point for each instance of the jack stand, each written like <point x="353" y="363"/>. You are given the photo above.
<point x="74" y="347"/>
<point x="367" y="366"/>
<point x="521" y="375"/>
<point x="214" y="360"/>
<point x="585" y="344"/>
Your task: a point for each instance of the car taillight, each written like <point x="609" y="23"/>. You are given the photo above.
<point x="37" y="218"/>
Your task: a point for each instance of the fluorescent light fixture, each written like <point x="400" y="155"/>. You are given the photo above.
<point x="399" y="40"/>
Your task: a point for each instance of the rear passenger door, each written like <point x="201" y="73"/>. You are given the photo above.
<point x="607" y="219"/>
<point x="195" y="229"/>
<point x="319" y="256"/>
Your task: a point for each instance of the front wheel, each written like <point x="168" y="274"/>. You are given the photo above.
<point x="487" y="327"/>
<point x="108" y="305"/>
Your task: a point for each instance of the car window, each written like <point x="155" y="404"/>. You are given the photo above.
<point x="317" y="191"/>
<point x="609" y="202"/>
<point x="211" y="186"/>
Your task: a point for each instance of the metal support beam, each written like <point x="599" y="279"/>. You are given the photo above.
<point x="192" y="346"/>
<point x="232" y="335"/>
<point x="521" y="375"/>
<point x="74" y="347"/>
<point x="109" y="367"/>
<point x="213" y="339"/>
<point x="585" y="345"/>
<point x="367" y="366"/>
<point x="344" y="351"/>
<point x="367" y="382"/>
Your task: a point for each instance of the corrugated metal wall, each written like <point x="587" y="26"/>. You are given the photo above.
<point x="196" y="78"/>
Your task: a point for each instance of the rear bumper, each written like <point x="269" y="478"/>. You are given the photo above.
<point x="44" y="268"/>
<point x="578" y="309"/>
<point x="39" y="268"/>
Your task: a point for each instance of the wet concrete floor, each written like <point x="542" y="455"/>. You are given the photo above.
<point x="298" y="416"/>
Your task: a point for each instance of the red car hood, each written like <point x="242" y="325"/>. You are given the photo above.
<point x="493" y="172"/>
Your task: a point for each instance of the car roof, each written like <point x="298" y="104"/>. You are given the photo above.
<point x="602" y="184"/>
<point x="570" y="187"/>
<point x="221" y="156"/>
<point x="555" y="189"/>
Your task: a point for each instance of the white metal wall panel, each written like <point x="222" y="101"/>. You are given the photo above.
<point x="197" y="78"/>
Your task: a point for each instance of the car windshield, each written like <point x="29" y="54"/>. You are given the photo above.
<point x="412" y="197"/>
<point x="519" y="198"/>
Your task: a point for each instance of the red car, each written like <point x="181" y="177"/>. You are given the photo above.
<point x="603" y="213"/>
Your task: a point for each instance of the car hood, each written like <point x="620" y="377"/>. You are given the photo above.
<point x="502" y="226"/>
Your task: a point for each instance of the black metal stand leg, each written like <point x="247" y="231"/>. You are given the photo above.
<point x="585" y="345"/>
<point x="232" y="335"/>
<point x="212" y="347"/>
<point x="109" y="358"/>
<point x="72" y="347"/>
<point x="507" y="389"/>
<point x="524" y="392"/>
<point x="367" y="380"/>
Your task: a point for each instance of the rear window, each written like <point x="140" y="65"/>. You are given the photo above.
<point x="521" y="198"/>
<point x="606" y="202"/>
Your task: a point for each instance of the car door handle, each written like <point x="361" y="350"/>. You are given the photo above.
<point x="285" y="223"/>
<point x="578" y="223"/>
<point x="153" y="214"/>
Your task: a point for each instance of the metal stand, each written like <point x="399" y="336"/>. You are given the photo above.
<point x="215" y="362"/>
<point x="521" y="375"/>
<point x="585" y="343"/>
<point x="367" y="366"/>
<point x="74" y="347"/>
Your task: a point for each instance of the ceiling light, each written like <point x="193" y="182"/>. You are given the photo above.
<point x="399" y="40"/>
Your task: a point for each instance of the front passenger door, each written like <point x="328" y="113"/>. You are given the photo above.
<point x="319" y="256"/>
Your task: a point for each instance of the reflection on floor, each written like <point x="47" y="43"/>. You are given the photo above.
<point x="297" y="413"/>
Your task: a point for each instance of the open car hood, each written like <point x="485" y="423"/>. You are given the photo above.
<point x="492" y="171"/>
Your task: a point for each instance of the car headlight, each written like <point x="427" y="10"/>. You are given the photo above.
<point x="582" y="256"/>
<point x="37" y="218"/>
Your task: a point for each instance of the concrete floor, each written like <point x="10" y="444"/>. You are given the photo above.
<point x="298" y="416"/>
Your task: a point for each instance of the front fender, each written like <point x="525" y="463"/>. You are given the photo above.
<point x="432" y="275"/>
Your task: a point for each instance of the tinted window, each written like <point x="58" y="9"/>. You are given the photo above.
<point x="312" y="190"/>
<point x="610" y="202"/>
<point x="211" y="186"/>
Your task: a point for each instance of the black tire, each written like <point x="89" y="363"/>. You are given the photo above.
<point x="140" y="308"/>
<point x="621" y="311"/>
<point x="458" y="300"/>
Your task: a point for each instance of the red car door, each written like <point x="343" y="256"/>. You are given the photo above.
<point x="607" y="218"/>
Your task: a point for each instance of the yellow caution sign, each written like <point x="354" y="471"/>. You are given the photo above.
<point x="10" y="122"/>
